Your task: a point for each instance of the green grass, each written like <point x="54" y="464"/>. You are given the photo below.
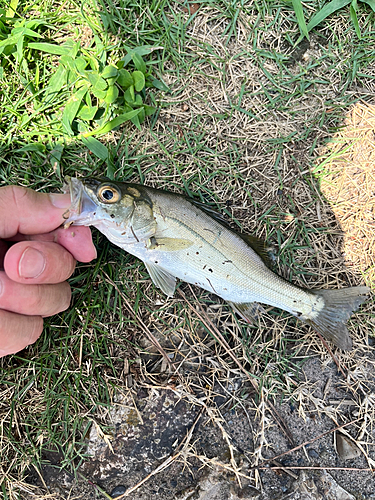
<point x="57" y="387"/>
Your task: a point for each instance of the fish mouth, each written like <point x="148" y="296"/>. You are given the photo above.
<point x="82" y="210"/>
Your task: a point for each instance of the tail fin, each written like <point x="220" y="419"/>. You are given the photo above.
<point x="339" y="306"/>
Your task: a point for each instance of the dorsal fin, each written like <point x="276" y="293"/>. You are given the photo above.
<point x="210" y="211"/>
<point x="259" y="246"/>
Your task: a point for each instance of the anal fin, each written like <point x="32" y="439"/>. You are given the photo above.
<point x="162" y="278"/>
<point x="249" y="311"/>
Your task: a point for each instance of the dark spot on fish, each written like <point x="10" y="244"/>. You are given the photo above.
<point x="112" y="216"/>
<point x="204" y="267"/>
<point x="298" y="314"/>
<point x="211" y="271"/>
<point x="94" y="214"/>
<point x="187" y="253"/>
<point x="197" y="253"/>
<point x="211" y="285"/>
<point x="227" y="261"/>
<point x="156" y="262"/>
<point x="227" y="276"/>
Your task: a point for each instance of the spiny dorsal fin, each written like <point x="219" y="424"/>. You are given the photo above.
<point x="209" y="211"/>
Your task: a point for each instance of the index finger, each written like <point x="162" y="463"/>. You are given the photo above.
<point x="25" y="211"/>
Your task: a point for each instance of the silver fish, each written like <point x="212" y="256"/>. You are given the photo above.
<point x="177" y="237"/>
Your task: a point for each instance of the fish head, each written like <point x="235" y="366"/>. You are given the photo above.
<point x="96" y="201"/>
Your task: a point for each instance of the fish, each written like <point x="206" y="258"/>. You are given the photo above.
<point x="177" y="237"/>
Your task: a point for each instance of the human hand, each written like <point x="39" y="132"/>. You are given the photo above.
<point x="36" y="258"/>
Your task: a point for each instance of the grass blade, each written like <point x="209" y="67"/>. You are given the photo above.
<point x="326" y="11"/>
<point x="116" y="122"/>
<point x="354" y="18"/>
<point x="298" y="9"/>
<point x="51" y="48"/>
<point x="96" y="147"/>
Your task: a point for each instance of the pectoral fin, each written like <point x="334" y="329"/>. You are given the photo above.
<point x="162" y="278"/>
<point x="249" y="311"/>
<point x="168" y="244"/>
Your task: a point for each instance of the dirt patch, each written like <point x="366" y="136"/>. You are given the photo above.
<point x="167" y="444"/>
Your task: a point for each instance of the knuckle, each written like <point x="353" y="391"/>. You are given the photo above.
<point x="39" y="299"/>
<point x="67" y="294"/>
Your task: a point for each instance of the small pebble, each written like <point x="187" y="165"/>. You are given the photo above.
<point x="117" y="491"/>
<point x="313" y="453"/>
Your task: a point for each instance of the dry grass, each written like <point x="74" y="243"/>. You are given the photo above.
<point x="349" y="186"/>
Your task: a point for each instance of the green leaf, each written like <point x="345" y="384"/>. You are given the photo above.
<point x="136" y="122"/>
<point x="96" y="147"/>
<point x="112" y="94"/>
<point x="139" y="80"/>
<point x="130" y="94"/>
<point x="141" y="116"/>
<point x="142" y="50"/>
<point x="94" y="64"/>
<point x="124" y="79"/>
<point x="100" y="94"/>
<point x="298" y="9"/>
<point x="36" y="146"/>
<point x="138" y="100"/>
<point x="27" y="32"/>
<point x="371" y="3"/>
<point x="109" y="72"/>
<point x="20" y="48"/>
<point x="87" y="113"/>
<point x="116" y="122"/>
<point x="71" y="109"/>
<point x="50" y="48"/>
<point x="149" y="110"/>
<point x="57" y="81"/>
<point x="159" y="85"/>
<point x="96" y="80"/>
<point x="68" y="62"/>
<point x="80" y="65"/>
<point x="326" y="11"/>
<point x="13" y="4"/>
<point x="139" y="63"/>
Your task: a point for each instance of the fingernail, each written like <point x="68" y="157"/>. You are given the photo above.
<point x="32" y="263"/>
<point x="60" y="200"/>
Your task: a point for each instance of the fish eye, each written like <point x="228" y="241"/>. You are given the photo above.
<point x="108" y="194"/>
